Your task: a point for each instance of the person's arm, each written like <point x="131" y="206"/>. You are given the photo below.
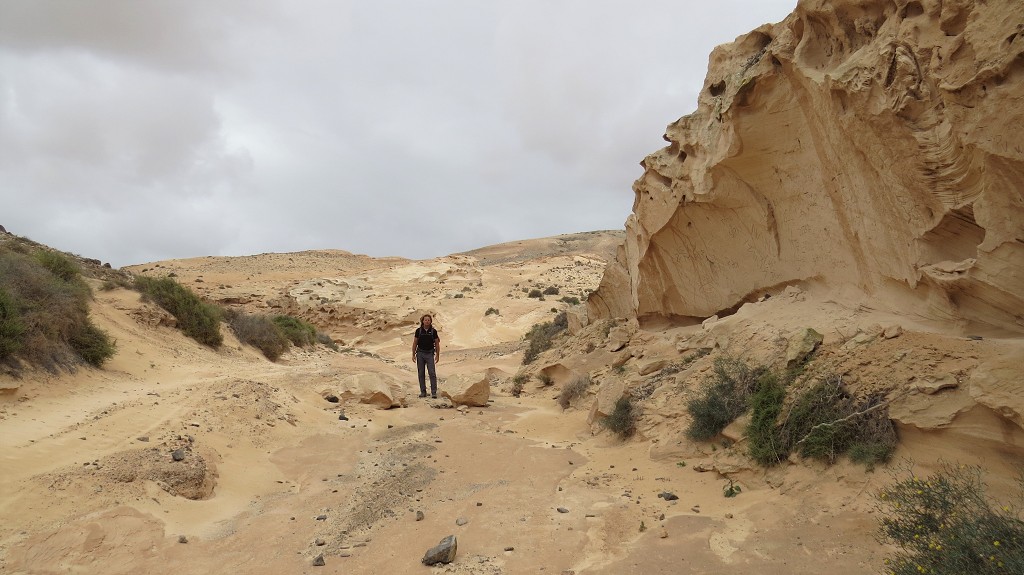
<point x="415" y="342"/>
<point x="437" y="348"/>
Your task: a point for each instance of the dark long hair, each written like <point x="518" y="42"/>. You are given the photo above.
<point x="425" y="316"/>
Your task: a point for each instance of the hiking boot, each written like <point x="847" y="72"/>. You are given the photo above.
<point x="423" y="395"/>
<point x="433" y="395"/>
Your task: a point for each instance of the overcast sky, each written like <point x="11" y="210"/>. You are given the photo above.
<point x="133" y="131"/>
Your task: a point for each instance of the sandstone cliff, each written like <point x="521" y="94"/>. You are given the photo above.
<point x="870" y="148"/>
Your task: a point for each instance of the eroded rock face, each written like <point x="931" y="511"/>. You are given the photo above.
<point x="869" y="147"/>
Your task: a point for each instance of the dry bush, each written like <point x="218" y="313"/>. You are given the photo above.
<point x="576" y="388"/>
<point x="260" y="332"/>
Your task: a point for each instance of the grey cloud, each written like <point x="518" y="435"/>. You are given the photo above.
<point x="135" y="131"/>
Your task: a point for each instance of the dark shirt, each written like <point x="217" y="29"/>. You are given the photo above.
<point x="425" y="338"/>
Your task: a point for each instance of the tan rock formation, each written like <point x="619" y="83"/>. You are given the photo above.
<point x="871" y="148"/>
<point x="604" y="404"/>
<point x="472" y="390"/>
<point x="376" y="389"/>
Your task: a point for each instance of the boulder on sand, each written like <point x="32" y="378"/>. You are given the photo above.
<point x="376" y="389"/>
<point x="443" y="552"/>
<point x="467" y="389"/>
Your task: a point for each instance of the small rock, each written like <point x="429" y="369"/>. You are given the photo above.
<point x="443" y="552"/>
<point x="319" y="542"/>
<point x="668" y="496"/>
<point x="321" y="518"/>
<point x="695" y="509"/>
<point x="461" y="521"/>
<point x="728" y="515"/>
<point x="663" y="534"/>
<point x="419" y="516"/>
<point x="893" y="331"/>
<point x="562" y="510"/>
<point x="182" y="539"/>
<point x="143" y="438"/>
<point x="332" y="398"/>
<point x="343" y="417"/>
<point x="319" y="561"/>
<point x="178" y="454"/>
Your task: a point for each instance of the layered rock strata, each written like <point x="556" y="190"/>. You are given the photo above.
<point x="871" y="148"/>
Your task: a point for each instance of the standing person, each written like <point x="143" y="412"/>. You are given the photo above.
<point x="426" y="351"/>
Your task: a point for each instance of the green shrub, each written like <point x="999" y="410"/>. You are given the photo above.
<point x="492" y="311"/>
<point x="946" y="524"/>
<point x="59" y="265"/>
<point x="541" y="336"/>
<point x="623" y="419"/>
<point x="570" y="299"/>
<point x="551" y="290"/>
<point x="196" y="318"/>
<point x="325" y="339"/>
<point x="44" y="311"/>
<point x="260" y="332"/>
<point x="92" y="343"/>
<point x="300" y="333"/>
<point x="534" y="293"/>
<point x="763" y="441"/>
<point x="722" y="398"/>
<point x="825" y="422"/>
<point x="11" y="327"/>
<point x="815" y="426"/>
<point x="576" y="388"/>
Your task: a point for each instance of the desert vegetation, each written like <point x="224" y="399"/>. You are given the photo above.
<point x="541" y="336"/>
<point x="623" y="419"/>
<point x="822" y="421"/>
<point x="947" y="524"/>
<point x="196" y="318"/>
<point x="575" y="389"/>
<point x="44" y="311"/>
<point x="274" y="335"/>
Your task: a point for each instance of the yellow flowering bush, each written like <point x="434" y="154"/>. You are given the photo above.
<point x="946" y="525"/>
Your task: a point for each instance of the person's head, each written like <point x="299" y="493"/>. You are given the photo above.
<point x="426" y="320"/>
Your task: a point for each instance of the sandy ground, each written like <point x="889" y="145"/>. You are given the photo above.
<point x="270" y="477"/>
